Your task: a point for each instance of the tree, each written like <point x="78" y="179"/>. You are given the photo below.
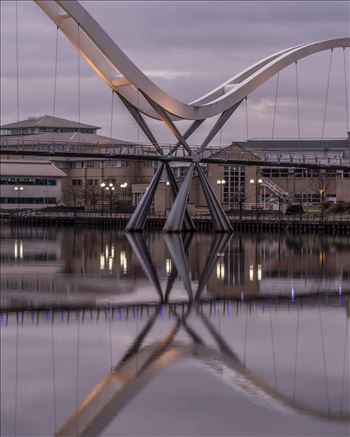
<point x="91" y="195"/>
<point x="72" y="195"/>
<point x="322" y="185"/>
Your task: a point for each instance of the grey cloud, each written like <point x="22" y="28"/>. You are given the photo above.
<point x="201" y="43"/>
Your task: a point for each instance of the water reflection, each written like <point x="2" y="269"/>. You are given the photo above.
<point x="39" y="265"/>
<point x="86" y="368"/>
<point x="288" y="354"/>
<point x="92" y="365"/>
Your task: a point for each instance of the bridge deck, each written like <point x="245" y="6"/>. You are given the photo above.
<point x="137" y="152"/>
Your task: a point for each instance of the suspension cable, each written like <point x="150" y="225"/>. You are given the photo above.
<point x="53" y="372"/>
<point x="112" y="108"/>
<point x="16" y="376"/>
<point x="78" y="41"/>
<point x="17" y="61"/>
<point x="324" y="359"/>
<point x="110" y="339"/>
<point x="55" y="84"/>
<point x="296" y="354"/>
<point x="275" y="108"/>
<point x="327" y="90"/>
<point x="273" y="352"/>
<point x="138" y="118"/>
<point x="297" y="92"/>
<point x="245" y="336"/>
<point x="344" y="364"/>
<point x="77" y="375"/>
<point x="346" y="91"/>
<point x="246" y="117"/>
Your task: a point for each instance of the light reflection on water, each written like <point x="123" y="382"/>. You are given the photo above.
<point x="196" y="331"/>
<point x="92" y="265"/>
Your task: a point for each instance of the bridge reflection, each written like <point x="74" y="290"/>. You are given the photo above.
<point x="97" y="267"/>
<point x="204" y="342"/>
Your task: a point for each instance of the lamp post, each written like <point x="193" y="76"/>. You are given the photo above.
<point x="241" y="200"/>
<point x="123" y="186"/>
<point x="103" y="185"/>
<point x="110" y="188"/>
<point x="221" y="183"/>
<point x="169" y="195"/>
<point x="259" y="182"/>
<point x="18" y="190"/>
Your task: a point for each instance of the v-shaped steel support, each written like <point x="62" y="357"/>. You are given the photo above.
<point x="141" y="251"/>
<point x="218" y="125"/>
<point x="169" y="123"/>
<point x="178" y="219"/>
<point x="137" y="116"/>
<point x="138" y="219"/>
<point x="137" y="222"/>
<point x="178" y="255"/>
<point x="220" y="219"/>
<point x="188" y="222"/>
<point x="175" y="218"/>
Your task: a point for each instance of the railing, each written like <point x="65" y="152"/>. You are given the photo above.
<point x="274" y="188"/>
<point x="147" y="151"/>
<point x="245" y="215"/>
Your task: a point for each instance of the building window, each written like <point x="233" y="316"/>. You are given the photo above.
<point x="308" y="198"/>
<point x="28" y="181"/>
<point x="77" y="182"/>
<point x="77" y="164"/>
<point x="234" y="188"/>
<point x="306" y="173"/>
<point x="147" y="164"/>
<point x="92" y="164"/>
<point x="92" y="181"/>
<point x="272" y="172"/>
<point x="28" y="200"/>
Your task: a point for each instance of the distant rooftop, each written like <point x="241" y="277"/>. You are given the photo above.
<point x="61" y="138"/>
<point x="45" y="121"/>
<point x="296" y="144"/>
<point x="29" y="168"/>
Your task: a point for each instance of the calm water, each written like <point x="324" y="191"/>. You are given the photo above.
<point x="210" y="335"/>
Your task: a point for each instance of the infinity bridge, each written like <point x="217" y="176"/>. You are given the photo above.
<point x="142" y="97"/>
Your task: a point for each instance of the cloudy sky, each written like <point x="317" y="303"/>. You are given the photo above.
<point x="187" y="48"/>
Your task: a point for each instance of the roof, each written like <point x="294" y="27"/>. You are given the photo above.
<point x="296" y="144"/>
<point x="29" y="168"/>
<point x="60" y="137"/>
<point x="236" y="152"/>
<point x="48" y="121"/>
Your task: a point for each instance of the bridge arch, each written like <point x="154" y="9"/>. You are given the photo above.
<point x="113" y="392"/>
<point x="123" y="76"/>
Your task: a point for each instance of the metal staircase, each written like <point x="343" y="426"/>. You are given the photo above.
<point x="274" y="189"/>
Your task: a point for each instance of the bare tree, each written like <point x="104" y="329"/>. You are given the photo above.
<point x="322" y="185"/>
<point x="91" y="195"/>
<point x="72" y="195"/>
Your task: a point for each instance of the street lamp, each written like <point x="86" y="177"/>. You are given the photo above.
<point x="221" y="182"/>
<point x="102" y="185"/>
<point x="112" y="188"/>
<point x="18" y="190"/>
<point x="123" y="186"/>
<point x="259" y="182"/>
<point x="109" y="188"/>
<point x="167" y="183"/>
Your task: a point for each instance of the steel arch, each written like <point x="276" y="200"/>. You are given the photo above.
<point x="122" y="75"/>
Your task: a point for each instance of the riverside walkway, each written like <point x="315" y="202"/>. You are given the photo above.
<point x="244" y="220"/>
